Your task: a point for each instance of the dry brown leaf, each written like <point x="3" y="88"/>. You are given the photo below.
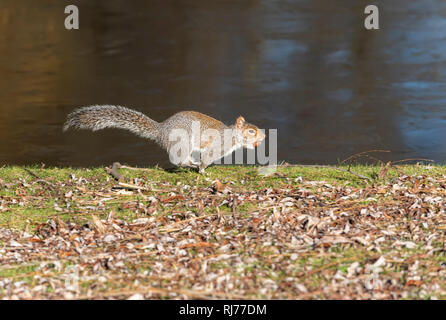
<point x="99" y="226"/>
<point x="173" y="198"/>
<point x="198" y="244"/>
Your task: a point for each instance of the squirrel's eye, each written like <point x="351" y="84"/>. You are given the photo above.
<point x="251" y="131"/>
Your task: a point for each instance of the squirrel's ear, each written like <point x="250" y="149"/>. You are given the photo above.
<point x="240" y="122"/>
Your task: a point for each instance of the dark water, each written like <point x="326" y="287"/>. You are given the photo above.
<point x="308" y="68"/>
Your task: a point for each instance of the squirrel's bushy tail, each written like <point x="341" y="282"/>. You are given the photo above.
<point x="107" y="116"/>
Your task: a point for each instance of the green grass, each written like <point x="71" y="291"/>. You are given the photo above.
<point x="244" y="178"/>
<point x="29" y="200"/>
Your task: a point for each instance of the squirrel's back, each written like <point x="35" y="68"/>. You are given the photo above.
<point x="184" y="120"/>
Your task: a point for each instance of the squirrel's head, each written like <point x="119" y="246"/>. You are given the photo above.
<point x="250" y="135"/>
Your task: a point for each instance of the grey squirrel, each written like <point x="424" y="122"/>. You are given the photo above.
<point x="204" y="139"/>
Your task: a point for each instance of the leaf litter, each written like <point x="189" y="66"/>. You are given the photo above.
<point x="297" y="239"/>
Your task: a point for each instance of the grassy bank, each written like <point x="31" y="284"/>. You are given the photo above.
<point x="298" y="233"/>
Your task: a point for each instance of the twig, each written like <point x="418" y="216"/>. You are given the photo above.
<point x="132" y="186"/>
<point x="52" y="186"/>
<point x="169" y="227"/>
<point x="114" y="171"/>
<point x="134" y="168"/>
<point x="413" y="159"/>
<point x="361" y="154"/>
<point x="353" y="173"/>
<point x="120" y="178"/>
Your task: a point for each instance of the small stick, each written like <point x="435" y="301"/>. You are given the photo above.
<point x="132" y="186"/>
<point x="360" y="154"/>
<point x="413" y="159"/>
<point x="52" y="186"/>
<point x="120" y="178"/>
<point x="134" y="168"/>
<point x="114" y="171"/>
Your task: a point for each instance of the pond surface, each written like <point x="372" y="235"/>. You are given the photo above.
<point x="307" y="68"/>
